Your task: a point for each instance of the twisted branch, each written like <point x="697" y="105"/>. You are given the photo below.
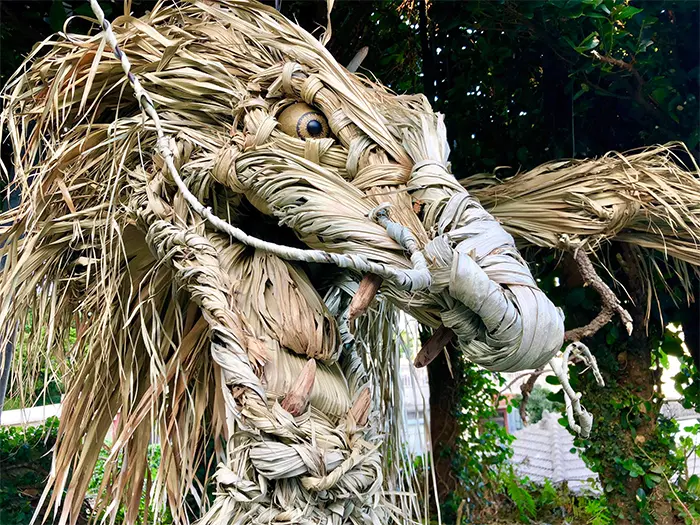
<point x="611" y="304"/>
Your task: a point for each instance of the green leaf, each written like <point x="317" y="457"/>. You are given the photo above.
<point x="57" y="15"/>
<point x="672" y="346"/>
<point x="651" y="480"/>
<point x="590" y="42"/>
<point x="644" y="44"/>
<point x="628" y="12"/>
<point x="552" y="380"/>
<point x="693" y="483"/>
<point x="522" y="499"/>
<point x="568" y="41"/>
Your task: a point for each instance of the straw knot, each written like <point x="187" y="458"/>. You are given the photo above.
<point x="428" y="164"/>
<point x="265" y="129"/>
<point x="311" y="86"/>
<point x="338" y="120"/>
<point x="224" y="171"/>
<point x="380" y="214"/>
<point x="359" y="146"/>
<point x="288" y="72"/>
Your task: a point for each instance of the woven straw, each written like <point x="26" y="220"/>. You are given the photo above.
<point x="135" y="230"/>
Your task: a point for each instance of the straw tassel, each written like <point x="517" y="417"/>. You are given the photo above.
<point x="359" y="411"/>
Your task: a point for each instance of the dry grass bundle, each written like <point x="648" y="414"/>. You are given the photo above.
<point x="187" y="331"/>
<point x="646" y="198"/>
<point x="178" y="329"/>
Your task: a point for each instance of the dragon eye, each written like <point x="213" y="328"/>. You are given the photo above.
<point x="314" y="127"/>
<point x="302" y="121"/>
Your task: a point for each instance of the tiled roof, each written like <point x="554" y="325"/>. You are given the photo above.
<point x="674" y="410"/>
<point x="543" y="451"/>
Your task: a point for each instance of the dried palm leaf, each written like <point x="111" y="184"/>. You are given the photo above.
<point x="190" y="333"/>
<point x="646" y="198"/>
<point x="649" y="199"/>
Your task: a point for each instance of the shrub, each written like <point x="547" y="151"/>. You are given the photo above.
<point x="25" y="463"/>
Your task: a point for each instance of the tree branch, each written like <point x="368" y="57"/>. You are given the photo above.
<point x="611" y="304"/>
<point x="526" y="390"/>
<point x="638" y="92"/>
<point x="618" y="63"/>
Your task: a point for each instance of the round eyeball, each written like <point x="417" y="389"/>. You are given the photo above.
<point x="302" y="121"/>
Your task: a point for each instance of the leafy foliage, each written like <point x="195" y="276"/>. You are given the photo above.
<point x="538" y="403"/>
<point x="632" y="447"/>
<point x="526" y="74"/>
<point x="146" y="513"/>
<point x="40" y="382"/>
<point x="529" y="502"/>
<point x="25" y="463"/>
<point x="482" y="445"/>
<point x="522" y="499"/>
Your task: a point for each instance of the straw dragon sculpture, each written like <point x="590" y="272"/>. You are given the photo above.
<point x="202" y="190"/>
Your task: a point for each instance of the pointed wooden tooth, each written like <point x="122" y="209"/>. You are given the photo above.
<point x="369" y="286"/>
<point x="433" y="346"/>
<point x="297" y="399"/>
<point x="359" y="411"/>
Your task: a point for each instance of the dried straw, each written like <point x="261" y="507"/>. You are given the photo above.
<point x="193" y="334"/>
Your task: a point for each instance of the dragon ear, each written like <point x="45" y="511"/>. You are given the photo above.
<point x="302" y="121"/>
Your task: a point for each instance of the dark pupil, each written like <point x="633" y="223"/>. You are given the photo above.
<point x="314" y="128"/>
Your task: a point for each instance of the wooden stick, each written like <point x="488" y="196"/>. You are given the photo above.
<point x="433" y="346"/>
<point x="297" y="398"/>
<point x="369" y="286"/>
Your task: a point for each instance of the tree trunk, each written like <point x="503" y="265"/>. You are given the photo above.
<point x="627" y="441"/>
<point x="426" y="51"/>
<point x="444" y="430"/>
